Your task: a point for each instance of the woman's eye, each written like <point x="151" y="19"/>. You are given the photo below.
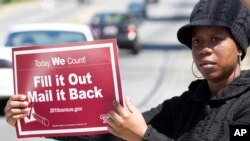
<point x="195" y="42"/>
<point x="214" y="40"/>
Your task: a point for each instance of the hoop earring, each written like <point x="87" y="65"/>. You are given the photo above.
<point x="194" y="73"/>
<point x="239" y="59"/>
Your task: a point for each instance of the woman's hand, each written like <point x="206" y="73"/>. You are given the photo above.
<point x="128" y="124"/>
<point x="16" y="108"/>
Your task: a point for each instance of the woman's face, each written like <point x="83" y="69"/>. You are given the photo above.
<point x="215" y="52"/>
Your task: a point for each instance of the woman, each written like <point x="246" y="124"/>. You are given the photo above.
<point x="218" y="35"/>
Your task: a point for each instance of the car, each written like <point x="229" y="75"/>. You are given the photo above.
<point x="119" y="25"/>
<point x="83" y="1"/>
<point x="30" y="35"/>
<point x="47" y="33"/>
<point x="138" y="9"/>
<point x="151" y="1"/>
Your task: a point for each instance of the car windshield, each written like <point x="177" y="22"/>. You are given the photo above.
<point x="111" y="19"/>
<point x="136" y="6"/>
<point x="43" y="38"/>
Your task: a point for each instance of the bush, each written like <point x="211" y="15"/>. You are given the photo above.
<point x="9" y="1"/>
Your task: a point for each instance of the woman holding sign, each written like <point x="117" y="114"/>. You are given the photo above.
<point x="218" y="35"/>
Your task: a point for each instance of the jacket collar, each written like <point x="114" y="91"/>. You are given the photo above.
<point x="200" y="91"/>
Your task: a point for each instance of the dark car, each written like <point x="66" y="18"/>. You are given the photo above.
<point x="83" y="1"/>
<point x="121" y="26"/>
<point x="151" y="1"/>
<point x="138" y="9"/>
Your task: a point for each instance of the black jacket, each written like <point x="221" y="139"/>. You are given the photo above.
<point x="194" y="116"/>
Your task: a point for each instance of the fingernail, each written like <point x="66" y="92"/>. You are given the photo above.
<point x="28" y="109"/>
<point x="25" y="103"/>
<point x="23" y="97"/>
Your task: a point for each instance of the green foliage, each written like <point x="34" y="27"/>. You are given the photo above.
<point x="9" y="1"/>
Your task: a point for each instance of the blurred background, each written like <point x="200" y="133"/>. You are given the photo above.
<point x="154" y="66"/>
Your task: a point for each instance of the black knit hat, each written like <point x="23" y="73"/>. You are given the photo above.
<point x="228" y="13"/>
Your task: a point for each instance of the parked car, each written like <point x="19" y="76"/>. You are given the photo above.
<point x="83" y="1"/>
<point x="151" y="1"/>
<point x="34" y="34"/>
<point x="138" y="9"/>
<point x="47" y="33"/>
<point x="121" y="26"/>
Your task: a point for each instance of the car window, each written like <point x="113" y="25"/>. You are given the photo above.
<point x="111" y="19"/>
<point x="136" y="6"/>
<point x="43" y="37"/>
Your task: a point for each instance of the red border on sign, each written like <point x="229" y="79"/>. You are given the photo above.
<point x="97" y="60"/>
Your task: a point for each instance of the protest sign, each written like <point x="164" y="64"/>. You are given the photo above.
<point x="70" y="87"/>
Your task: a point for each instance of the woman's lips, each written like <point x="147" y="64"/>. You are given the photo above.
<point x="206" y="64"/>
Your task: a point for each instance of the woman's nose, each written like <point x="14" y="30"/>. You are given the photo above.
<point x="205" y="50"/>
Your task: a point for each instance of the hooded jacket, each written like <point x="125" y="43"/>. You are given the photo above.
<point x="197" y="117"/>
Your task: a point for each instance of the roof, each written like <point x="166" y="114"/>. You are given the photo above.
<point x="49" y="26"/>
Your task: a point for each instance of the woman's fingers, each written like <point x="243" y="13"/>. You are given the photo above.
<point x="13" y="105"/>
<point x="112" y="124"/>
<point x="17" y="114"/>
<point x="115" y="124"/>
<point x="112" y="131"/>
<point x="115" y="120"/>
<point x="16" y="108"/>
<point x="19" y="104"/>
<point x="16" y="101"/>
<point x="18" y="97"/>
<point x="127" y="123"/>
<point x="16" y="111"/>
<point x="131" y="107"/>
<point x="120" y="110"/>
